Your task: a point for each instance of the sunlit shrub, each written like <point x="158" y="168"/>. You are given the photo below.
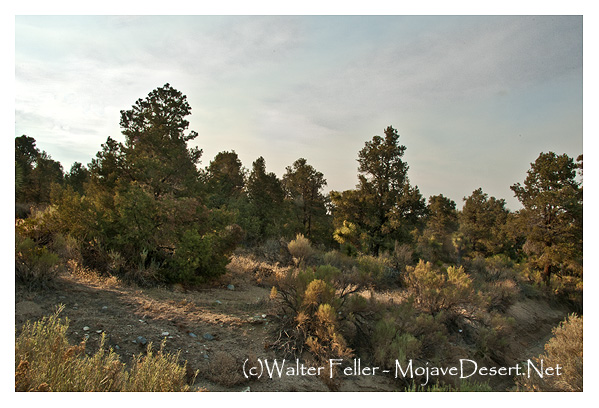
<point x="45" y="361"/>
<point x="566" y="349"/>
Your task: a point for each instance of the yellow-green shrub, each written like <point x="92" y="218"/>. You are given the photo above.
<point x="45" y="361"/>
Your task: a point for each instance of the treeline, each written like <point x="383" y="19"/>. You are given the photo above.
<point x="145" y="210"/>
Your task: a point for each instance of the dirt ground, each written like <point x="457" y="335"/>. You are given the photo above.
<point x="216" y="329"/>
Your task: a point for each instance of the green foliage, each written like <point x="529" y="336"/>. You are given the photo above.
<point x="384" y="206"/>
<point x="45" y="361"/>
<point x="266" y="203"/>
<point x="402" y="333"/>
<point x="35" y="266"/>
<point x="483" y="225"/>
<point x="224" y="179"/>
<point x="199" y="257"/>
<point x="435" y="290"/>
<point x="303" y="188"/>
<point x="36" y="171"/>
<point x="142" y="200"/>
<point x="552" y="214"/>
<point x="435" y="243"/>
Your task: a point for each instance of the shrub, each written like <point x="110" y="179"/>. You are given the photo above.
<point x="318" y="306"/>
<point x="402" y="334"/>
<point x="435" y="290"/>
<point x="35" y="266"/>
<point x="45" y="361"/>
<point x="300" y="249"/>
<point x="225" y="370"/>
<point x="566" y="349"/>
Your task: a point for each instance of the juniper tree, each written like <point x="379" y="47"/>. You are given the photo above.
<point x="552" y="213"/>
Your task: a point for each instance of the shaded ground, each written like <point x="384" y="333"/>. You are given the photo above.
<point x="217" y="329"/>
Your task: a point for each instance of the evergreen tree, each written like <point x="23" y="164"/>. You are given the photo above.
<point x="303" y="186"/>
<point x="552" y="214"/>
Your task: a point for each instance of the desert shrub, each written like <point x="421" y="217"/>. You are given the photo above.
<point x="435" y="290"/>
<point x="339" y="260"/>
<point x="566" y="349"/>
<point x="402" y="256"/>
<point x="377" y="269"/>
<point x="225" y="370"/>
<point x="45" y="361"/>
<point x="157" y="372"/>
<point x="300" y="249"/>
<point x="402" y="333"/>
<point x="35" y="266"/>
<point x="463" y="386"/>
<point x="318" y="311"/>
<point x="491" y="337"/>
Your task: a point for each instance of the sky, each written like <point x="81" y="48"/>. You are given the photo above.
<point x="475" y="99"/>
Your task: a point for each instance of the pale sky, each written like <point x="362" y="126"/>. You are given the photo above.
<point x="475" y="99"/>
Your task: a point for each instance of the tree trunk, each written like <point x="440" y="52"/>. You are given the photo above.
<point x="547" y="274"/>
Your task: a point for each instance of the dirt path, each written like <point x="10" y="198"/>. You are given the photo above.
<point x="214" y="329"/>
<point x="217" y="329"/>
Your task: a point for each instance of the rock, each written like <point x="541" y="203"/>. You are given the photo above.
<point x="208" y="336"/>
<point x="247" y="389"/>
<point x="104" y="307"/>
<point x="193" y="335"/>
<point x="116" y="347"/>
<point x="206" y="356"/>
<point x="264" y="316"/>
<point x="231" y="287"/>
<point x="165" y="333"/>
<point x="218" y="302"/>
<point x="98" y="331"/>
<point x="142" y="340"/>
<point x="86" y="328"/>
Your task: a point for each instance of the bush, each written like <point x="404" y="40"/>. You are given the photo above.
<point x="435" y="291"/>
<point x="320" y="311"/>
<point x="225" y="370"/>
<point x="45" y="361"/>
<point x="300" y="249"/>
<point x="566" y="349"/>
<point x="34" y="266"/>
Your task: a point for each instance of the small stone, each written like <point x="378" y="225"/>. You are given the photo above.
<point x="98" y="331"/>
<point x="218" y="302"/>
<point x="231" y="287"/>
<point x="75" y="307"/>
<point x="104" y="307"/>
<point x="246" y="389"/>
<point x="264" y="316"/>
<point x="206" y="356"/>
<point x="85" y="328"/>
<point x="208" y="336"/>
<point x="193" y="335"/>
<point x="142" y="340"/>
<point x="165" y="333"/>
<point x="116" y="347"/>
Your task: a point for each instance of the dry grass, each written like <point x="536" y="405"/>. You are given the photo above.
<point x="45" y="361"/>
